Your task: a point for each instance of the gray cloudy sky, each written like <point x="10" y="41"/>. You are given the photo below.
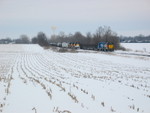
<point x="126" y="17"/>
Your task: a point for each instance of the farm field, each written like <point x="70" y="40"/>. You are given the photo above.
<point x="137" y="47"/>
<point x="35" y="80"/>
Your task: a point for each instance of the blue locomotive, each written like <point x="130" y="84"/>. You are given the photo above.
<point x="105" y="46"/>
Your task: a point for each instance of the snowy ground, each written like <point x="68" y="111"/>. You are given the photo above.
<point x="141" y="48"/>
<point x="137" y="47"/>
<point x="34" y="80"/>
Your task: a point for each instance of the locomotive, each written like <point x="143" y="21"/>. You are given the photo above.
<point x="72" y="45"/>
<point x="105" y="46"/>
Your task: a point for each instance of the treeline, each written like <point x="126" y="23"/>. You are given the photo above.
<point x="40" y="39"/>
<point x="102" y="34"/>
<point x="135" y="39"/>
<point x="24" y="39"/>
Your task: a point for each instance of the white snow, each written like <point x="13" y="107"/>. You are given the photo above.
<point x="33" y="79"/>
<point x="137" y="47"/>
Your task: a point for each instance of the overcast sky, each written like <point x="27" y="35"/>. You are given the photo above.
<point x="125" y="17"/>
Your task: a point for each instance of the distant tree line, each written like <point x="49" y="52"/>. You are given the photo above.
<point x="135" y="39"/>
<point x="24" y="39"/>
<point x="102" y="34"/>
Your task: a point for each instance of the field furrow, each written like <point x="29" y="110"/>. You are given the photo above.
<point x="50" y="82"/>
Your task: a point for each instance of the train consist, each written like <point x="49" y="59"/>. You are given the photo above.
<point x="102" y="46"/>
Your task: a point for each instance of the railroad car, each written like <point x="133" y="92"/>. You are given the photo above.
<point x="74" y="45"/>
<point x="65" y="45"/>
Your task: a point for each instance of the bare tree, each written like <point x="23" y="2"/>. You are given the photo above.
<point x="34" y="40"/>
<point x="42" y="39"/>
<point x="24" y="39"/>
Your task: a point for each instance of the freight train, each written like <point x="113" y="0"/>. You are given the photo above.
<point x="101" y="46"/>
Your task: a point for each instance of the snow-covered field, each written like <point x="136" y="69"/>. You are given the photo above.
<point x="34" y="80"/>
<point x="137" y="47"/>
